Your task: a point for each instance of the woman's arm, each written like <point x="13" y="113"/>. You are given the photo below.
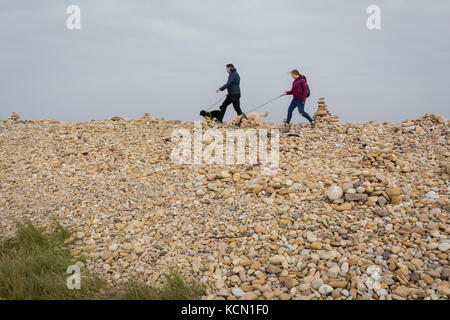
<point x="292" y="90"/>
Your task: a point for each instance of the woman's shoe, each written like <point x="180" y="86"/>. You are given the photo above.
<point x="313" y="124"/>
<point x="287" y="127"/>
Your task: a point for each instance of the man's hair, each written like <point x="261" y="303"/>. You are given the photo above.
<point x="295" y="71"/>
<point x="230" y="65"/>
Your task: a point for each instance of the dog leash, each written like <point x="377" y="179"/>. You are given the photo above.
<point x="261" y="105"/>
<point x="215" y="103"/>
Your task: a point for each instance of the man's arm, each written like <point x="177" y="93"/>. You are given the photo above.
<point x="229" y="82"/>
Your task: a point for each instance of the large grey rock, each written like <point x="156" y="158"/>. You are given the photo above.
<point x="334" y="192"/>
<point x="325" y="289"/>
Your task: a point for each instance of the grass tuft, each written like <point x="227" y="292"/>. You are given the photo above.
<point x="33" y="266"/>
<point x="175" y="288"/>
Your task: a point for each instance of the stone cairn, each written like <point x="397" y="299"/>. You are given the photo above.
<point x="147" y="116"/>
<point x="14" y="117"/>
<point x="149" y="119"/>
<point x="322" y="114"/>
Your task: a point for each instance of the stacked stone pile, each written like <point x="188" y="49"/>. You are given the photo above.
<point x="322" y="115"/>
<point x="14" y="117"/>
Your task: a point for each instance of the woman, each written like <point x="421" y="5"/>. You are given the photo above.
<point x="299" y="91"/>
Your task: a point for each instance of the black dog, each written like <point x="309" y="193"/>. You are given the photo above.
<point x="215" y="114"/>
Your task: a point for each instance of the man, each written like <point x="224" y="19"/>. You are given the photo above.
<point x="234" y="92"/>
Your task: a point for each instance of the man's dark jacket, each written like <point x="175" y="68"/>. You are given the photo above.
<point x="233" y="83"/>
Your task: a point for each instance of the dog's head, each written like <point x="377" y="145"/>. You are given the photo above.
<point x="203" y="113"/>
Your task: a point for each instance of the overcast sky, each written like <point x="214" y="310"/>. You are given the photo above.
<point x="168" y="57"/>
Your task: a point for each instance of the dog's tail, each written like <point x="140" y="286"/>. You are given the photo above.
<point x="265" y="114"/>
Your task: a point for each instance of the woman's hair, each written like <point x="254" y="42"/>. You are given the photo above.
<point x="295" y="71"/>
<point x="230" y="65"/>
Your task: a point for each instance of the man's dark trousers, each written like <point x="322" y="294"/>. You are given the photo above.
<point x="234" y="99"/>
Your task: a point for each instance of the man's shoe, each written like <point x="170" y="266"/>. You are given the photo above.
<point x="313" y="124"/>
<point x="287" y="127"/>
<point x="217" y="120"/>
